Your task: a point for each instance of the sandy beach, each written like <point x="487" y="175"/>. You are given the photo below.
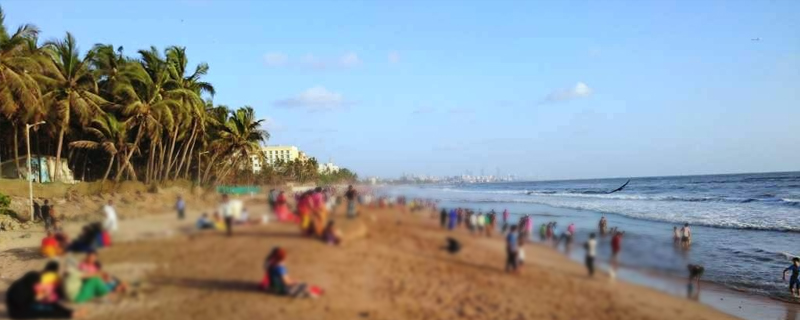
<point x="391" y="267"/>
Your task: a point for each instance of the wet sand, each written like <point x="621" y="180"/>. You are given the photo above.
<point x="395" y="270"/>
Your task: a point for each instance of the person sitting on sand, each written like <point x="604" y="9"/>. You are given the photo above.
<point x="204" y="222"/>
<point x="794" y="282"/>
<point x="22" y="301"/>
<point x="50" y="246"/>
<point x="47" y="289"/>
<point x="279" y="281"/>
<point x="331" y="235"/>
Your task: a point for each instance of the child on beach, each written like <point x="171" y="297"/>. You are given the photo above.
<point x="591" y="252"/>
<point x="520" y="255"/>
<point x="794" y="282"/>
<point x="512" y="248"/>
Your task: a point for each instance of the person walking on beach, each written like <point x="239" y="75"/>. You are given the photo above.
<point x="110" y="223"/>
<point x="443" y="218"/>
<point x="512" y="248"/>
<point x="351" y="195"/>
<point x="180" y="206"/>
<point x="794" y="282"/>
<point x="591" y="252"/>
<point x="226" y="212"/>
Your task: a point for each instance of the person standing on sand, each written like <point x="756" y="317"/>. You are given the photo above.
<point x="224" y="210"/>
<point x="443" y="218"/>
<point x="110" y="223"/>
<point x="512" y="250"/>
<point x="451" y="224"/>
<point x="591" y="252"/>
<point x="45" y="212"/>
<point x="794" y="282"/>
<point x="351" y="195"/>
<point x="180" y="206"/>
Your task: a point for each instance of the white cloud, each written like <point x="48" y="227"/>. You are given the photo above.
<point x="394" y="57"/>
<point x="276" y="59"/>
<point x="349" y="59"/>
<point x="580" y="90"/>
<point x="315" y="99"/>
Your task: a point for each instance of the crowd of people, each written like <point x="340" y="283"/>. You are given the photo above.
<point x="43" y="294"/>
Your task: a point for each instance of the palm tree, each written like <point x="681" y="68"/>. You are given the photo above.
<point x="240" y="138"/>
<point x="187" y="88"/>
<point x="72" y="89"/>
<point x="19" y="92"/>
<point x="111" y="137"/>
<point x="144" y="98"/>
<point x="107" y="65"/>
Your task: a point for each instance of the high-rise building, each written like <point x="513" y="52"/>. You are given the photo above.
<point x="272" y="154"/>
<point x="286" y="153"/>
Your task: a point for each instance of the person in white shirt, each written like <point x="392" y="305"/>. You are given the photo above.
<point x="110" y="223"/>
<point x="224" y="210"/>
<point x="591" y="252"/>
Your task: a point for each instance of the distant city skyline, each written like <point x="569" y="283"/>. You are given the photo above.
<point x="549" y="90"/>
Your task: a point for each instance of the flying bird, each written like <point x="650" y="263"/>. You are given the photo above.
<point x="755" y="39"/>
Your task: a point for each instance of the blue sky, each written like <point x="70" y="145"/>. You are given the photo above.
<point x="541" y="89"/>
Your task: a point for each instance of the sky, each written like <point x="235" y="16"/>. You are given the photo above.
<point x="539" y="89"/>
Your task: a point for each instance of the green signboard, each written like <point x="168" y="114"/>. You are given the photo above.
<point x="239" y="190"/>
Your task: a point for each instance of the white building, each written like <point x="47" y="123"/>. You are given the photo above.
<point x="328" y="167"/>
<point x="272" y="154"/>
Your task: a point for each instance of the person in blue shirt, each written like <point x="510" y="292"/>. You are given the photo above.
<point x="512" y="246"/>
<point x="794" y="283"/>
<point x="180" y="206"/>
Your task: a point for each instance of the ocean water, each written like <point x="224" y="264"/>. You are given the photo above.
<point x="746" y="227"/>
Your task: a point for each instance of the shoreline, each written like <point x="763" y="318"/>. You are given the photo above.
<point x="648" y="271"/>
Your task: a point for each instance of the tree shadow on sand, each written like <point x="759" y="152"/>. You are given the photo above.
<point x="23" y="254"/>
<point x="267" y="234"/>
<point x="208" y="284"/>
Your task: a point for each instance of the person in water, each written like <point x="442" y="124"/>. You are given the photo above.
<point x="602" y="225"/>
<point x="686" y="235"/>
<point x="676" y="234"/>
<point x="794" y="282"/>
